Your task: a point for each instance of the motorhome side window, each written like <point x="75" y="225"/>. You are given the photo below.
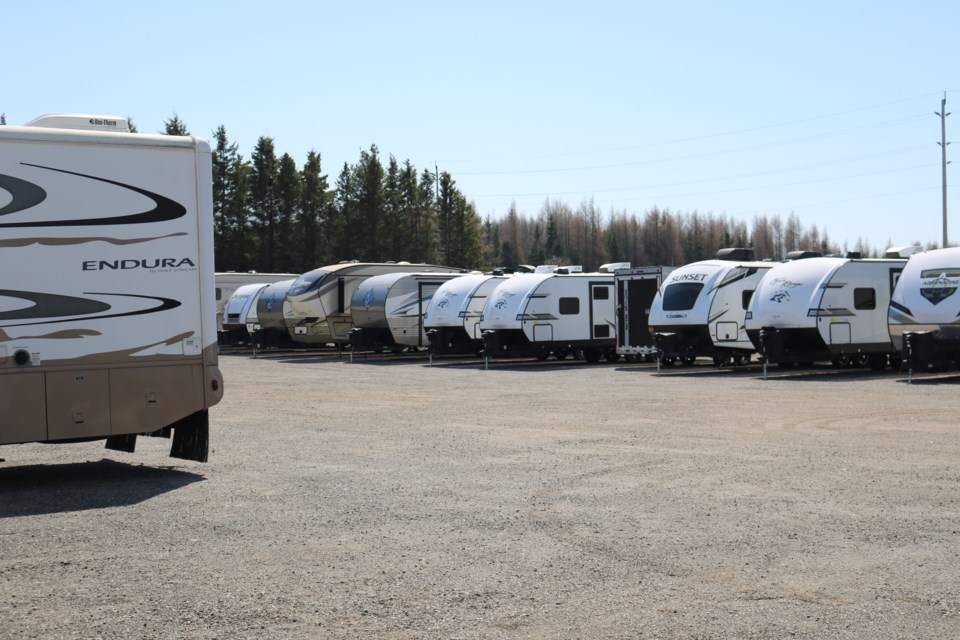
<point x="681" y="296"/>
<point x="569" y="306"/>
<point x="864" y="299"/>
<point x="601" y="293"/>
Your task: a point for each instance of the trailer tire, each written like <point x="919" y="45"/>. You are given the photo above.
<point x="611" y="355"/>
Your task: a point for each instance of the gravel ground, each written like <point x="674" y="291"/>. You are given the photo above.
<point x="391" y="499"/>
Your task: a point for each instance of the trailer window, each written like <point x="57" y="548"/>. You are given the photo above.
<point x="746" y="298"/>
<point x="864" y="299"/>
<point x="306" y="282"/>
<point x="681" y="296"/>
<point x="601" y="293"/>
<point x="601" y="331"/>
<point x="569" y="306"/>
<point x="219" y="293"/>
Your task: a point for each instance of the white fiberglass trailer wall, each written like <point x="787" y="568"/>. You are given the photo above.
<point x="452" y="320"/>
<point x="559" y="314"/>
<point x="924" y="316"/>
<point x="699" y="311"/>
<point x="388" y="310"/>
<point x="107" y="309"/>
<point x="825" y="309"/>
<point x="320" y="300"/>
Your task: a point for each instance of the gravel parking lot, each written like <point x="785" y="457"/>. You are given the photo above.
<point x="391" y="499"/>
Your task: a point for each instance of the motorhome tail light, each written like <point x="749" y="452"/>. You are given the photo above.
<point x="215" y="384"/>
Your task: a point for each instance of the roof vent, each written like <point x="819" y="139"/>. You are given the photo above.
<point x="736" y="254"/>
<point x="610" y="267"/>
<point x="802" y="255"/>
<point x="902" y="252"/>
<point x="84" y="122"/>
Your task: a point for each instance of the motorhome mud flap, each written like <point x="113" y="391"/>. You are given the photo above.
<point x="191" y="437"/>
<point x="126" y="443"/>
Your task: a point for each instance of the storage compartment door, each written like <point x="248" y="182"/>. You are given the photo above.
<point x="78" y="404"/>
<point x="23" y="407"/>
<point x="840" y="333"/>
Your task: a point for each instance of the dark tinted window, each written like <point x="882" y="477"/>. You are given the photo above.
<point x="864" y="299"/>
<point x="306" y="282"/>
<point x="601" y="293"/>
<point x="601" y="331"/>
<point x="681" y="296"/>
<point x="747" y="296"/>
<point x="569" y="306"/>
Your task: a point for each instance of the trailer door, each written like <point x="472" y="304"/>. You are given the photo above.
<point x="427" y="289"/>
<point x="640" y="295"/>
<point x="601" y="304"/>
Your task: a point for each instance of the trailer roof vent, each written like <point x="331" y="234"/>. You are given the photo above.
<point x="610" y="267"/>
<point x="526" y="268"/>
<point x="546" y="268"/>
<point x="568" y="269"/>
<point x="84" y="122"/>
<point x="902" y="252"/>
<point x="802" y="255"/>
<point x="854" y="255"/>
<point x="737" y="254"/>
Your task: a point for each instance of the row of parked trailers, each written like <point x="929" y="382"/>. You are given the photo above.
<point x="846" y="310"/>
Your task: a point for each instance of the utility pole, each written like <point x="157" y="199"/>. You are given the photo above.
<point x="943" y="151"/>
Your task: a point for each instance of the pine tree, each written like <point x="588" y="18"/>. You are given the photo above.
<point x="314" y="209"/>
<point x="286" y="251"/>
<point x="265" y="202"/>
<point x="174" y="126"/>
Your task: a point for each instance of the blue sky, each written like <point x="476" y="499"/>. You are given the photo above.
<point x="822" y="109"/>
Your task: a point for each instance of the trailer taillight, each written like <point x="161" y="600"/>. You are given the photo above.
<point x="215" y="384"/>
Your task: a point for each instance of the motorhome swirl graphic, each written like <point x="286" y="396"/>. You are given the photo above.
<point x="107" y="325"/>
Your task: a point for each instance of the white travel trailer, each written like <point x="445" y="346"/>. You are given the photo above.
<point x="319" y="301"/>
<point x="229" y="281"/>
<point x="388" y="310"/>
<point x="107" y="309"/>
<point x="452" y="320"/>
<point x="272" y="311"/>
<point x="241" y="306"/>
<point x="825" y="309"/>
<point x="557" y="313"/>
<point x="699" y="310"/>
<point x="924" y="317"/>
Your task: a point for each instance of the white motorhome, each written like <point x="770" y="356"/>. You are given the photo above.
<point x="236" y="313"/>
<point x="107" y="309"/>
<point x="924" y="316"/>
<point x="388" y="310"/>
<point x="452" y="320"/>
<point x="229" y="281"/>
<point x="554" y="311"/>
<point x="700" y="308"/>
<point x="319" y="301"/>
<point x="825" y="309"/>
<point x="635" y="290"/>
